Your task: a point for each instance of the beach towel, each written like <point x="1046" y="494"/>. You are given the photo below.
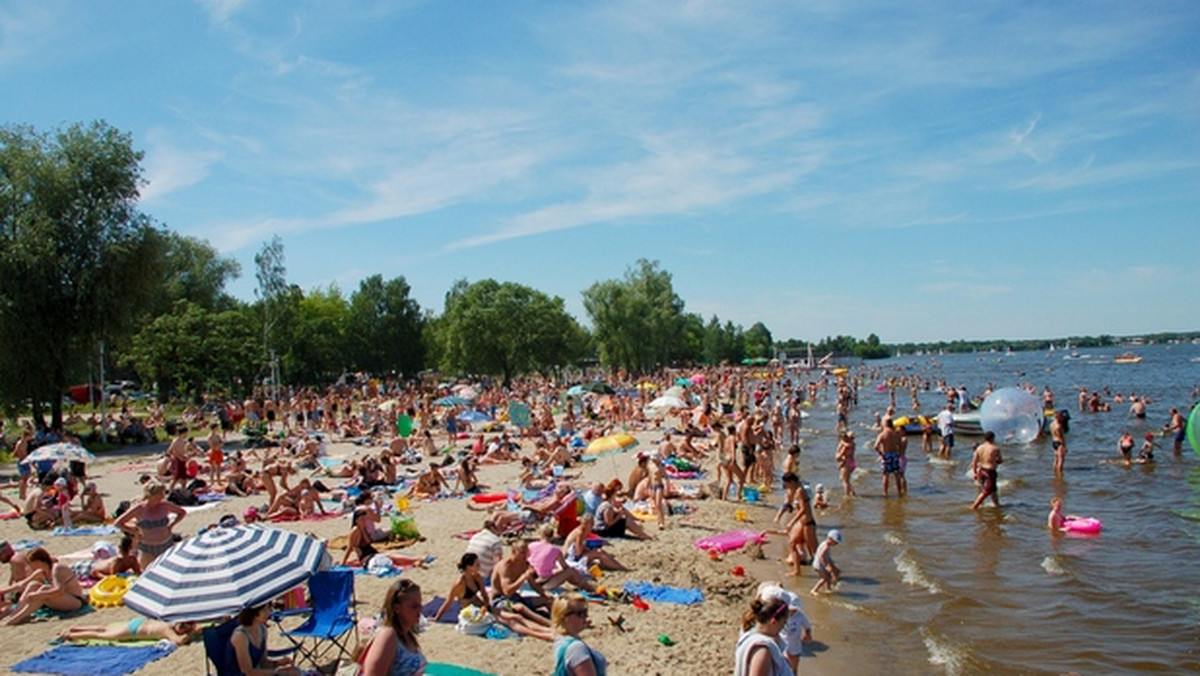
<point x="45" y="613"/>
<point x="451" y="615"/>
<point x="311" y="517"/>
<point x="86" y="530"/>
<point x="664" y="593"/>
<point x="83" y="660"/>
<point x="343" y="541"/>
<point x="444" y="669"/>
<point x="200" y="508"/>
<point x="363" y="570"/>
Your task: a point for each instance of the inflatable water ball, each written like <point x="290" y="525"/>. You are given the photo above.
<point x="1193" y="429"/>
<point x="404" y="425"/>
<point x="1013" y="415"/>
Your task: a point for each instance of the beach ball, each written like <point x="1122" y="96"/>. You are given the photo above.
<point x="1013" y="415"/>
<point x="1193" y="429"/>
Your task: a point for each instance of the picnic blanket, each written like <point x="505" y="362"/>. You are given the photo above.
<point x="87" y="660"/>
<point x="664" y="593"/>
<point x="106" y="529"/>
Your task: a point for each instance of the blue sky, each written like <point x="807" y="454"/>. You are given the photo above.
<point x="920" y="170"/>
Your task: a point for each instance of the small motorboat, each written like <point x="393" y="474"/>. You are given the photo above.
<point x="1127" y="358"/>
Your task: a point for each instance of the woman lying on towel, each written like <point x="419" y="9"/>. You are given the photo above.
<point x="136" y="629"/>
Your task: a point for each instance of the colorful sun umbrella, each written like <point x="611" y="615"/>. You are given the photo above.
<point x="612" y="442"/>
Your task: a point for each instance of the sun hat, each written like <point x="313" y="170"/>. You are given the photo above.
<point x="835" y="535"/>
<point x="772" y="592"/>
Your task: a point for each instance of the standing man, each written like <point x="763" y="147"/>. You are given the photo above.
<point x="984" y="464"/>
<point x="945" y="423"/>
<point x="888" y="445"/>
<point x="178" y="453"/>
<point x="20" y="450"/>
<point x="1178" y="425"/>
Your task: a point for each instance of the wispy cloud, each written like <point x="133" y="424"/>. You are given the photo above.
<point x="170" y="168"/>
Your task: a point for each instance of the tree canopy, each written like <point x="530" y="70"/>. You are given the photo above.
<point x="80" y="261"/>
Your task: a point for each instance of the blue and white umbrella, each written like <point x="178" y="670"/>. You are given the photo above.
<point x="58" y="452"/>
<point x="223" y="570"/>
<point x="451" y="401"/>
<point x="473" y="416"/>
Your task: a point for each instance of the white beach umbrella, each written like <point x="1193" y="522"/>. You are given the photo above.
<point x="223" y="570"/>
<point x="667" y="402"/>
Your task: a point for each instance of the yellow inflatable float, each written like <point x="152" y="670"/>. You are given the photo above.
<point x="109" y="592"/>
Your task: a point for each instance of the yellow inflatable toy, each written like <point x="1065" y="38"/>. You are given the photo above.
<point x="109" y="592"/>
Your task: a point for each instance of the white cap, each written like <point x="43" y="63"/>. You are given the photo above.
<point x="820" y="488"/>
<point x="103" y="549"/>
<point x="835" y="535"/>
<point x="772" y="592"/>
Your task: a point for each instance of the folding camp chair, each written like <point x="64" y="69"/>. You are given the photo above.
<point x="217" y="650"/>
<point x="219" y="653"/>
<point x="330" y="621"/>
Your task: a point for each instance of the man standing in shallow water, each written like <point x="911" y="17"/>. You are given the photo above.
<point x="984" y="465"/>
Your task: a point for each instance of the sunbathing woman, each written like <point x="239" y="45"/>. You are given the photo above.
<point x="613" y="520"/>
<point x="469" y="589"/>
<point x="93" y="506"/>
<point x="136" y="629"/>
<point x="60" y="591"/>
<point x="429" y="483"/>
<point x="576" y="552"/>
<point x="360" y="544"/>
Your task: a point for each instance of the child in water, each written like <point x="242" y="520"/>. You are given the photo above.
<point x="819" y="500"/>
<point x="1147" y="452"/>
<point x="1056" y="520"/>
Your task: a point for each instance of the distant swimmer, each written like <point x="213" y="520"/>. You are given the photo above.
<point x="984" y="465"/>
<point x="1137" y="409"/>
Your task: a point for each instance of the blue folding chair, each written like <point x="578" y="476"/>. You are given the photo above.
<point x="219" y="652"/>
<point x="331" y="619"/>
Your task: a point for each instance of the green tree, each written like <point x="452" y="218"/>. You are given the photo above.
<point x="78" y="258"/>
<point x="196" y="272"/>
<point x="192" y="349"/>
<point x="638" y="322"/>
<point x="386" y="327"/>
<point x="758" y="341"/>
<point x="506" y="329"/>
<point x="315" y="345"/>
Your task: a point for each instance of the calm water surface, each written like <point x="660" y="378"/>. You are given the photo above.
<point x="932" y="587"/>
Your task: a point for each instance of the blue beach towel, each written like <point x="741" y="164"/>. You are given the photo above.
<point x="81" y="660"/>
<point x="86" y="530"/>
<point x="449" y="617"/>
<point x="664" y="593"/>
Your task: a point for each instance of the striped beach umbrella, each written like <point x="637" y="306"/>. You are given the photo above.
<point x="59" y="452"/>
<point x="223" y="570"/>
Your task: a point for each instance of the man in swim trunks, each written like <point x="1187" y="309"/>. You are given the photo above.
<point x="1178" y="425"/>
<point x="984" y="464"/>
<point x="1058" y="442"/>
<point x="889" y="445"/>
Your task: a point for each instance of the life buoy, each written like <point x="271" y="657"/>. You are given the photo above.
<point x="109" y="592"/>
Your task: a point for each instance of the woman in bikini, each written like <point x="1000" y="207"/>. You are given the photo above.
<point x="56" y="588"/>
<point x="151" y="522"/>
<point x="362" y="549"/>
<point x="470" y="590"/>
<point x="138" y="628"/>
<point x="845" y="462"/>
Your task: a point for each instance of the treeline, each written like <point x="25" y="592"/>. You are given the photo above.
<point x="1074" y="342"/>
<point x="86" y="274"/>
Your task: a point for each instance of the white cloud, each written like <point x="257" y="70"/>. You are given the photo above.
<point x="170" y="168"/>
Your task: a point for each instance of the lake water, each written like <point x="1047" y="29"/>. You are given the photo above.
<point x="932" y="587"/>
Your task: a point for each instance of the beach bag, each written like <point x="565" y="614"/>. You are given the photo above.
<point x="405" y="527"/>
<point x="474" y="621"/>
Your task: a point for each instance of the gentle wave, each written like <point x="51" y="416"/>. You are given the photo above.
<point x="913" y="574"/>
<point x="943" y="652"/>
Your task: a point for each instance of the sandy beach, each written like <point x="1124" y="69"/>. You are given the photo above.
<point x="704" y="634"/>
